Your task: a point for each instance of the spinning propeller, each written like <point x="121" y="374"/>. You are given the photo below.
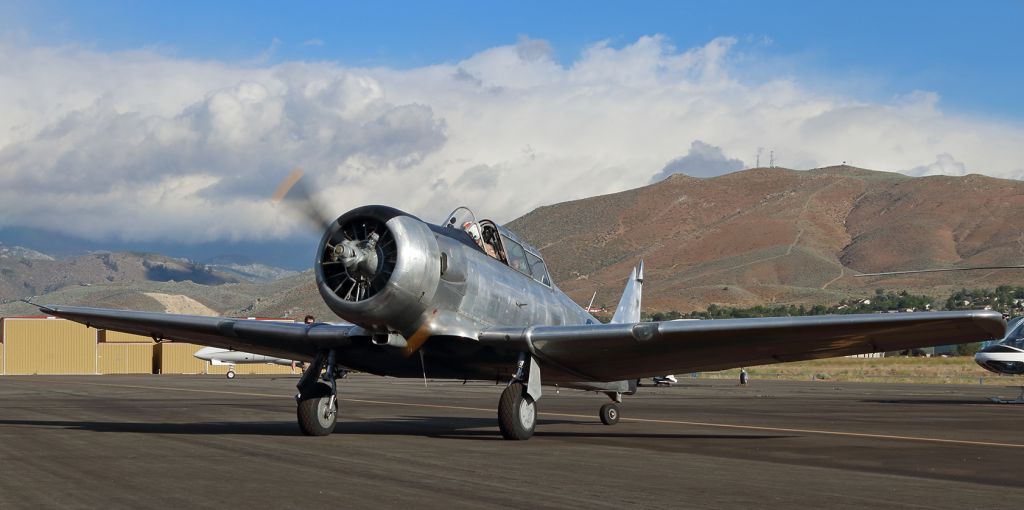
<point x="294" y="193"/>
<point x="358" y="256"/>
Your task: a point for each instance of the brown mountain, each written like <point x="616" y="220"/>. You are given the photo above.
<point x="22" y="276"/>
<point x="772" y="235"/>
<point x="760" y="236"/>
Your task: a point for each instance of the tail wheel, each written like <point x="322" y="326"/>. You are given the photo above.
<point x="316" y="413"/>
<point x="610" y="414"/>
<point x="517" y="413"/>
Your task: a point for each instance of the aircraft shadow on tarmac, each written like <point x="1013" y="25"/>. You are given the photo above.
<point x="426" y="426"/>
<point x="265" y="428"/>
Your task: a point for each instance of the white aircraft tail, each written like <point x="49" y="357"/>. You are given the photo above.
<point x="628" y="310"/>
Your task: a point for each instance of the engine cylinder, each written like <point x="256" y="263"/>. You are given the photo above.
<point x="379" y="267"/>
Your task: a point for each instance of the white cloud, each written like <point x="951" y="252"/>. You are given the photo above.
<point x="146" y="146"/>
<point x="944" y="165"/>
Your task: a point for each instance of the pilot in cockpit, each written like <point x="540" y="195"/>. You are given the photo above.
<point x="473" y="229"/>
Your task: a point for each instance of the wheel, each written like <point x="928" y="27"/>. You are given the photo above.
<point x="610" y="414"/>
<point x="517" y="413"/>
<point x="317" y="416"/>
<point x="231" y="374"/>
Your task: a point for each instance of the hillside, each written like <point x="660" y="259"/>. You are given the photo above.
<point x="22" y="276"/>
<point x="760" y="236"/>
<point x="293" y="296"/>
<point x="772" y="235"/>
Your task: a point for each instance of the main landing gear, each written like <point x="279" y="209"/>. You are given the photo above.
<point x="517" y="413"/>
<point x="517" y="408"/>
<point x="317" y="409"/>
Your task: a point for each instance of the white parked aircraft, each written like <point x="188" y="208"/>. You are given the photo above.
<point x="665" y="380"/>
<point x="218" y="356"/>
<point x="1006" y="356"/>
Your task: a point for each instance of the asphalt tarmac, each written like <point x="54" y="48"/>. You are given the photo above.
<point x="192" y="442"/>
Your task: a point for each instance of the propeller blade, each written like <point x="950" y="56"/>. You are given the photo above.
<point x="295" y="194"/>
<point x="915" y="271"/>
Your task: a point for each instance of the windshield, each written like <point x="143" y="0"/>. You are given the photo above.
<point x="522" y="260"/>
<point x="516" y="256"/>
<point x="459" y="217"/>
<point x="540" y="272"/>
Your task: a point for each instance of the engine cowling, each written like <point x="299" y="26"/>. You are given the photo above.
<point x="379" y="267"/>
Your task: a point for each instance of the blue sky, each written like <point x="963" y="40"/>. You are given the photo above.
<point x="970" y="53"/>
<point x="134" y="123"/>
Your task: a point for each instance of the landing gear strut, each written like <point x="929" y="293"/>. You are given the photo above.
<point x="317" y="408"/>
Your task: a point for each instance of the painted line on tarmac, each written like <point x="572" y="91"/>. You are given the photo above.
<point x="961" y="442"/>
<point x="830" y="432"/>
<point x="724" y="425"/>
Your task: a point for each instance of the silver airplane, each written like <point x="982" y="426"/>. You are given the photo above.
<point x="468" y="299"/>
<point x="218" y="356"/>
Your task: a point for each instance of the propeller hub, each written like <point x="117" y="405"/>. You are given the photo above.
<point x="359" y="256"/>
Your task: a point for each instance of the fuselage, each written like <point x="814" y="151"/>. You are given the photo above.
<point x="434" y="290"/>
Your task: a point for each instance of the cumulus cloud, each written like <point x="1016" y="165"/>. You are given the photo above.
<point x="944" y="165"/>
<point x="703" y="160"/>
<point x="146" y="146"/>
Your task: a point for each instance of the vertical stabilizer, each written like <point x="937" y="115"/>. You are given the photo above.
<point x="628" y="310"/>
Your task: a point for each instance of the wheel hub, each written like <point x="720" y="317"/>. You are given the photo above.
<point x="527" y="413"/>
<point x="326" y="410"/>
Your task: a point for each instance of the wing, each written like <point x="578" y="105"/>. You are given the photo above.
<point x="610" y="352"/>
<point x="280" y="339"/>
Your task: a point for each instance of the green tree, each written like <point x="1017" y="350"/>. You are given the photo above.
<point x="968" y="349"/>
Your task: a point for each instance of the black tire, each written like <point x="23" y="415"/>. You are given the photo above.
<point x="610" y="414"/>
<point x="312" y="411"/>
<point x="230" y="374"/>
<point x="517" y="413"/>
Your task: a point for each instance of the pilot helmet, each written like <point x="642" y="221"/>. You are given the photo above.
<point x="472" y="229"/>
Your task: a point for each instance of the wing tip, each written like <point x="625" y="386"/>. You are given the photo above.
<point x="991" y="321"/>
<point x="47" y="309"/>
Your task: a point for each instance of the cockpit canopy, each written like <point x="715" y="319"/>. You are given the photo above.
<point x="1014" y="333"/>
<point x="500" y="243"/>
